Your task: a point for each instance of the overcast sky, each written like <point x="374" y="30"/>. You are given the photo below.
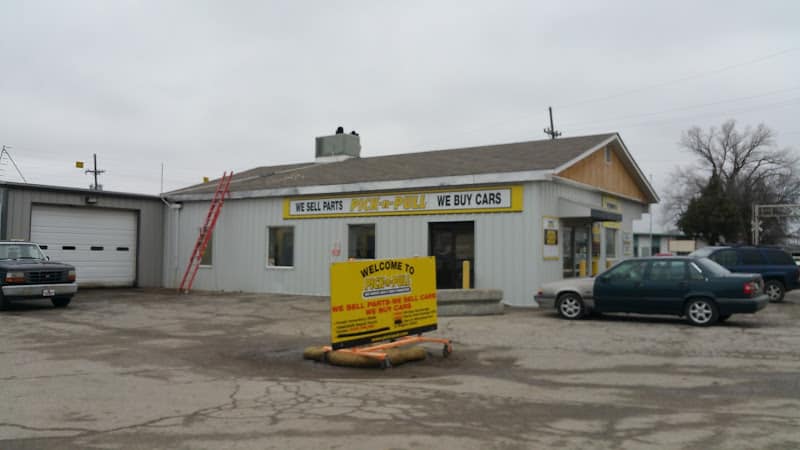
<point x="204" y="87"/>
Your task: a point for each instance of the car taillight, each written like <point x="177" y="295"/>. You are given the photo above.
<point x="15" y="277"/>
<point x="71" y="275"/>
<point x="749" y="288"/>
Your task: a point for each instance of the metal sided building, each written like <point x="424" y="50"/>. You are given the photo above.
<point x="521" y="214"/>
<point x="113" y="239"/>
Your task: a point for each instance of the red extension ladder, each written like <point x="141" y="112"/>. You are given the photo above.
<point x="222" y="190"/>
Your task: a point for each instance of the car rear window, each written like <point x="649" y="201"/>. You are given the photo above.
<point x="778" y="257"/>
<point x="712" y="268"/>
<point x="725" y="258"/>
<point x="751" y="256"/>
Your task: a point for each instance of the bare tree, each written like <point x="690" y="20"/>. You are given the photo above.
<point x="750" y="167"/>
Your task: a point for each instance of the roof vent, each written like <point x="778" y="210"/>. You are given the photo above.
<point x="338" y="147"/>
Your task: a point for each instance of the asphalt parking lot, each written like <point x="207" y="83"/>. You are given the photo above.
<point x="151" y="369"/>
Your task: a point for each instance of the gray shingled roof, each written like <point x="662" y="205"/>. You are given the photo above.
<point x="520" y="156"/>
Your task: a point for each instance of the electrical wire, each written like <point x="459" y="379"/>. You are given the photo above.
<point x="782" y="104"/>
<point x="680" y="79"/>
<point x="683" y="108"/>
<point x="698" y="75"/>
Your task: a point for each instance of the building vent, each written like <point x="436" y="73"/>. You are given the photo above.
<point x="338" y="147"/>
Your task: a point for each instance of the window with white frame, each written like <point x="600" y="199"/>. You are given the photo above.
<point x="280" y="246"/>
<point x="208" y="255"/>
<point x="611" y="243"/>
<point x="361" y="241"/>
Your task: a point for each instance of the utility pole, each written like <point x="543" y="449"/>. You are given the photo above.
<point x="552" y="132"/>
<point x="755" y="225"/>
<point x="650" y="213"/>
<point x="5" y="152"/>
<point x="96" y="172"/>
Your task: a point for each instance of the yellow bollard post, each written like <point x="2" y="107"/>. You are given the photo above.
<point x="465" y="275"/>
<point x="582" y="268"/>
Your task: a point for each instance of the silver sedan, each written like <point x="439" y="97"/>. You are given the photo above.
<point x="574" y="294"/>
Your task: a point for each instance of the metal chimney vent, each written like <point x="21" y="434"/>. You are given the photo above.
<point x="338" y="147"/>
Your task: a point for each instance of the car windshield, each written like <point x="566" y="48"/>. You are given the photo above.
<point x="20" y="251"/>
<point x="712" y="268"/>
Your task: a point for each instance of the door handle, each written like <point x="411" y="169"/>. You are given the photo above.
<point x="683" y="284"/>
<point x="638" y="284"/>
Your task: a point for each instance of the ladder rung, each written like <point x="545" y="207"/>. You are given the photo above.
<point x="214" y="210"/>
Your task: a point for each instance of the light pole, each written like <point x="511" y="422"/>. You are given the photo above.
<point x="650" y="213"/>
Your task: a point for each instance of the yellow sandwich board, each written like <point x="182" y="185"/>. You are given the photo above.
<point x="384" y="299"/>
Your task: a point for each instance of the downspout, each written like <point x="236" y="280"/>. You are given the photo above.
<point x="3" y="212"/>
<point x="177" y="208"/>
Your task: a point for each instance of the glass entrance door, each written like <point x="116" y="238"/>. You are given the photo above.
<point x="575" y="250"/>
<point x="566" y="250"/>
<point x="452" y="243"/>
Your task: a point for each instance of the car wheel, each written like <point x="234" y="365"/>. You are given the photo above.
<point x="723" y="317"/>
<point x="4" y="303"/>
<point x="570" y="306"/>
<point x="774" y="290"/>
<point x="701" y="312"/>
<point x="61" y="302"/>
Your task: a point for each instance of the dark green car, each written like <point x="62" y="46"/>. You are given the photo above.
<point x="698" y="289"/>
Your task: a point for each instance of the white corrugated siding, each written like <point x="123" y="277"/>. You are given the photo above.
<point x="508" y="246"/>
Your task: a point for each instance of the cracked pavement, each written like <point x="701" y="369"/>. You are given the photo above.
<point x="152" y="369"/>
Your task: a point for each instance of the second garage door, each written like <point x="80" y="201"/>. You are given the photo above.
<point x="100" y="243"/>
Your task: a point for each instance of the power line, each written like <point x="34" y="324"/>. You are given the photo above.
<point x="782" y="104"/>
<point x="681" y="79"/>
<point x="682" y="108"/>
<point x="5" y="152"/>
<point x="637" y="90"/>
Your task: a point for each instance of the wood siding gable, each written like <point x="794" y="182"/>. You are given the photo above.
<point x="612" y="176"/>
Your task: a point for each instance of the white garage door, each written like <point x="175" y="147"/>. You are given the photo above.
<point x="100" y="243"/>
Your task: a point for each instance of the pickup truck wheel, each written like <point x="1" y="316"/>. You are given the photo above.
<point x="570" y="306"/>
<point x="61" y="302"/>
<point x="701" y="312"/>
<point x="774" y="290"/>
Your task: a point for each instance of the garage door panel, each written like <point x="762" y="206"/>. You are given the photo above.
<point x="71" y="233"/>
<point x="87" y="236"/>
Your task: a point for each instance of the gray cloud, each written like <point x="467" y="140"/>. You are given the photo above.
<point x="208" y="86"/>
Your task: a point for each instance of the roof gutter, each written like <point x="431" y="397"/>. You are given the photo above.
<point x="461" y="180"/>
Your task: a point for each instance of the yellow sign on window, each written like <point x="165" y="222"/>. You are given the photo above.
<point x="611" y="204"/>
<point x="383" y="299"/>
<point x="79" y="164"/>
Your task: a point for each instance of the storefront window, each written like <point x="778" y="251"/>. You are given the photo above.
<point x="207" y="258"/>
<point x="611" y="243"/>
<point x="281" y="247"/>
<point x="361" y="241"/>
